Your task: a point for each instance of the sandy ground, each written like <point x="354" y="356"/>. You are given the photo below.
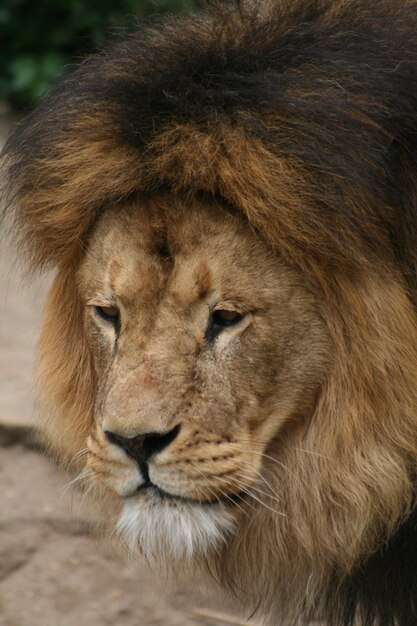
<point x="53" y="570"/>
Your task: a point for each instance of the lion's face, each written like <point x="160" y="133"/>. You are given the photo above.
<point x="206" y="348"/>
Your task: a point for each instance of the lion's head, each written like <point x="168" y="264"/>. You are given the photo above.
<point x="206" y="347"/>
<point x="229" y="352"/>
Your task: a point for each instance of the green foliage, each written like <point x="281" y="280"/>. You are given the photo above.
<point x="38" y="38"/>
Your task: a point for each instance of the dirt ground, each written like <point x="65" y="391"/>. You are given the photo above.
<point x="53" y="570"/>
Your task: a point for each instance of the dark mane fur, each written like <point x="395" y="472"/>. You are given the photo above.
<point x="383" y="590"/>
<point x="302" y="115"/>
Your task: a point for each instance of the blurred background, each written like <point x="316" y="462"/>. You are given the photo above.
<point x="40" y="39"/>
<point x="54" y="570"/>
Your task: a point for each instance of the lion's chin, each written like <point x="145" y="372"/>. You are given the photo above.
<point x="164" y="529"/>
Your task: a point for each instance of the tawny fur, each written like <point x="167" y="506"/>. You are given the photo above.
<point x="295" y="126"/>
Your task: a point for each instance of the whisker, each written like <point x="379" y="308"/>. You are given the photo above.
<point x="77" y="456"/>
<point x="271" y="458"/>
<point x="86" y="472"/>
<point x="244" y="488"/>
<point x="225" y="495"/>
<point x="260" y="491"/>
<point x="247" y="477"/>
<point x="85" y="494"/>
<point x="300" y="449"/>
<point x="280" y="513"/>
<point x="241" y="448"/>
<point x="255" y="471"/>
<point x="322" y="456"/>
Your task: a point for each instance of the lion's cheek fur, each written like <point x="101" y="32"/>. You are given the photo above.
<point x="66" y="380"/>
<point x="346" y="481"/>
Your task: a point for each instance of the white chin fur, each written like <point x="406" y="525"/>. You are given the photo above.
<point x="165" y="529"/>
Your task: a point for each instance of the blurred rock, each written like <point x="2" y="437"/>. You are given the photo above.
<point x="55" y="571"/>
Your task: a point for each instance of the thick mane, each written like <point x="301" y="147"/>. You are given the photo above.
<point x="240" y="103"/>
<point x="302" y="117"/>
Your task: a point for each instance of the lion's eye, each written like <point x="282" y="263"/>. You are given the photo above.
<point x="219" y="320"/>
<point x="226" y="318"/>
<point x="109" y="314"/>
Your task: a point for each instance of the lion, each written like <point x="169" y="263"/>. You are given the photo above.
<point x="229" y="348"/>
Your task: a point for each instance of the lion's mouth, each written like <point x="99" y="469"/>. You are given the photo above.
<point x="150" y="488"/>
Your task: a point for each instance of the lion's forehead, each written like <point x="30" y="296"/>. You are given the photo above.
<point x="191" y="253"/>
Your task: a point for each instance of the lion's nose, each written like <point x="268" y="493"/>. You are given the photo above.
<point x="142" y="447"/>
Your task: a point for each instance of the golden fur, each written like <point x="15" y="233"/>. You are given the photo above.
<point x="185" y="190"/>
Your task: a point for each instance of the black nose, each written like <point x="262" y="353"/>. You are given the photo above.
<point x="142" y="447"/>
